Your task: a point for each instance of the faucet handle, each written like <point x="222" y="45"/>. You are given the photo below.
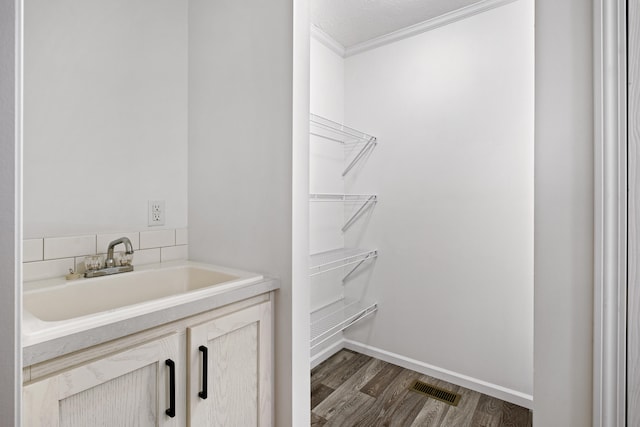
<point x="94" y="262"/>
<point x="123" y="258"/>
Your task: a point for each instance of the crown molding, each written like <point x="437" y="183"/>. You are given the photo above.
<point x="327" y="40"/>
<point x="431" y="24"/>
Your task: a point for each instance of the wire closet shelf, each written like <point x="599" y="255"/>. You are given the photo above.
<point x="334" y="318"/>
<point x="351" y="138"/>
<point x="338" y="258"/>
<point x="366" y="201"/>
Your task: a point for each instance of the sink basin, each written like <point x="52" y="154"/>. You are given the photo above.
<point x="89" y="296"/>
<point x="64" y="306"/>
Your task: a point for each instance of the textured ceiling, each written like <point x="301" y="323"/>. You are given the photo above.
<point x="351" y="22"/>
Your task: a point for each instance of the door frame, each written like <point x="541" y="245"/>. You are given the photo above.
<point x="610" y="213"/>
<point x="10" y="210"/>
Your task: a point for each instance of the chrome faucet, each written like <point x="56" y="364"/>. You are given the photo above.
<point x="110" y="267"/>
<point x="128" y="247"/>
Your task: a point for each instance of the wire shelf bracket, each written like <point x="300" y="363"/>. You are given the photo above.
<point x="366" y="258"/>
<point x="367" y="204"/>
<point x="333" y="131"/>
<point x="334" y="318"/>
<point x="367" y="201"/>
<point x="367" y="147"/>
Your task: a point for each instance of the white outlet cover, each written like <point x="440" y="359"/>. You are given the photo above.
<point x="156" y="213"/>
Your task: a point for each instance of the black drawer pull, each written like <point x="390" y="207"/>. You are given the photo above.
<point x="205" y="366"/>
<point x="172" y="388"/>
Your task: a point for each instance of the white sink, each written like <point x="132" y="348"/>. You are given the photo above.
<point x="56" y="307"/>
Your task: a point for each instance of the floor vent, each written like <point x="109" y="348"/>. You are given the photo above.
<point x="435" y="392"/>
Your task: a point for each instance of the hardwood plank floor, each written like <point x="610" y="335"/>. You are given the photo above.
<point x="353" y="390"/>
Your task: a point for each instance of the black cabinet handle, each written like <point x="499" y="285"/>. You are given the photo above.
<point x="172" y="388"/>
<point x="205" y="366"/>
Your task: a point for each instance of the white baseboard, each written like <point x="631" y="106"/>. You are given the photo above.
<point x="326" y="353"/>
<point x="471" y="383"/>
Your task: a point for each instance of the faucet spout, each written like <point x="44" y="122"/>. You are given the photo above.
<point x="128" y="247"/>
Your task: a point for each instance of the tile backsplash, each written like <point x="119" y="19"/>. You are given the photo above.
<point x="53" y="256"/>
<point x="157" y="238"/>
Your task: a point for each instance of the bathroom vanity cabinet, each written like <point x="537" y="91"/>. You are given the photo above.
<point x="230" y="369"/>
<point x="130" y="387"/>
<point x="215" y="368"/>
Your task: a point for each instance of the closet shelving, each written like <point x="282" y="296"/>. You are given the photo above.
<point x="331" y="319"/>
<point x="365" y="200"/>
<point x="338" y="258"/>
<point x="336" y="317"/>
<point x="326" y="197"/>
<point x="357" y="144"/>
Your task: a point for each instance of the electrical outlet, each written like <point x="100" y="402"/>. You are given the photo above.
<point x="156" y="212"/>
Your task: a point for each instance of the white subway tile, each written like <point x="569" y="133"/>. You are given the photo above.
<point x="146" y="256"/>
<point x="182" y="236"/>
<point x="39" y="270"/>
<point x="65" y="247"/>
<point x="105" y="239"/>
<point x="173" y="253"/>
<point x="32" y="250"/>
<point x="157" y="238"/>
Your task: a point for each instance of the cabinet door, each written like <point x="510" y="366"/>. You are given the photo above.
<point x="129" y="388"/>
<point x="239" y="370"/>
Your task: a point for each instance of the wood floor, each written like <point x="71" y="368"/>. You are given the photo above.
<point x="351" y="389"/>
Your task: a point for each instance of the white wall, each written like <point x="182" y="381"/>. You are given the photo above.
<point x="326" y="82"/>
<point x="453" y="112"/>
<point x="240" y="160"/>
<point x="10" y="230"/>
<point x="105" y="114"/>
<point x="325" y="170"/>
<point x="563" y="214"/>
